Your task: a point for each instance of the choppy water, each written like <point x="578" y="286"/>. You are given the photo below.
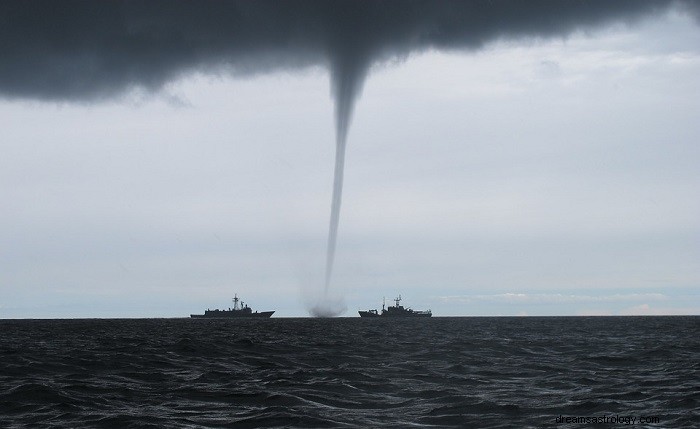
<point x="351" y="372"/>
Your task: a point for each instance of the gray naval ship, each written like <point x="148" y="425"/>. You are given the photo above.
<point x="238" y="311"/>
<point x="395" y="311"/>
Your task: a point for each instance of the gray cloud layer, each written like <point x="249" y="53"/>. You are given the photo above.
<point x="88" y="50"/>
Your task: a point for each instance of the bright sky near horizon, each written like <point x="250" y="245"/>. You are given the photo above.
<point x="549" y="176"/>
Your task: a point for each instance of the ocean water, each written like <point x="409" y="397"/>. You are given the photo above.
<point x="351" y="372"/>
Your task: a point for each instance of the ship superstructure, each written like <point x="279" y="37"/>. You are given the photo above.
<point x="242" y="311"/>
<point x="396" y="310"/>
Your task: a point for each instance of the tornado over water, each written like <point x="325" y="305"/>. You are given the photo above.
<point x="336" y="201"/>
<point x="346" y="85"/>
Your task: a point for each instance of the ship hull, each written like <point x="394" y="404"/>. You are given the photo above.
<point x="392" y="316"/>
<point x="368" y="314"/>
<point x="407" y="315"/>
<point x="396" y="311"/>
<point x="232" y="315"/>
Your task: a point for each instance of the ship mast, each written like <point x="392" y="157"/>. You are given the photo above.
<point x="397" y="300"/>
<point x="235" y="302"/>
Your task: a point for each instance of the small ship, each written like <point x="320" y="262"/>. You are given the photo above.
<point x="238" y="311"/>
<point x="395" y="311"/>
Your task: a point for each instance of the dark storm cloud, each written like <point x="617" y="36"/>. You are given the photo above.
<point x="87" y="50"/>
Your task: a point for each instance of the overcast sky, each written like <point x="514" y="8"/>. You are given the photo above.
<point x="534" y="171"/>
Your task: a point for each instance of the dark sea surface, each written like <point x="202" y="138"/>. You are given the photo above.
<point x="350" y="372"/>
